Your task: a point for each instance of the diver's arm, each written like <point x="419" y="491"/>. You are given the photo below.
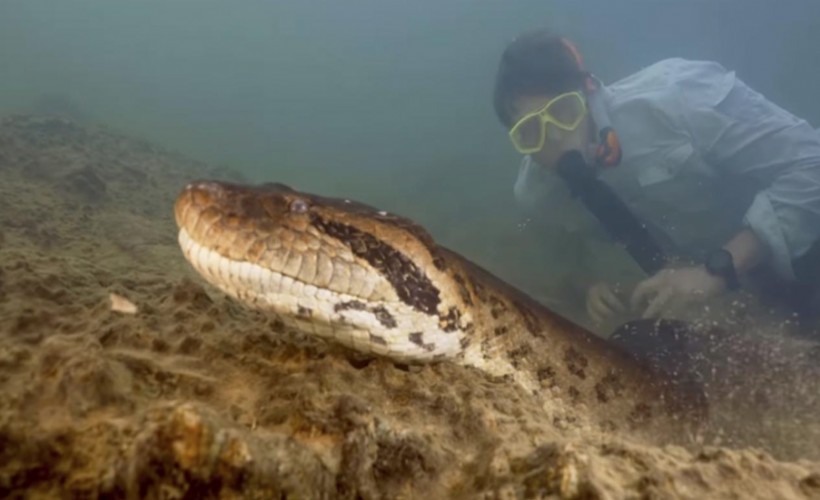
<point x="748" y="137"/>
<point x="748" y="251"/>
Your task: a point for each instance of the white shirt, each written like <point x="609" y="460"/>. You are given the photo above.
<point x="704" y="156"/>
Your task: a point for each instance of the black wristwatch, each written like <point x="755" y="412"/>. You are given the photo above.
<point x="720" y="263"/>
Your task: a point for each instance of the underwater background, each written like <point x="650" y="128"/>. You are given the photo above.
<point x="387" y="102"/>
<point x="124" y="375"/>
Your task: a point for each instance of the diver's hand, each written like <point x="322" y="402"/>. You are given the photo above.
<point x="671" y="290"/>
<point x="603" y="303"/>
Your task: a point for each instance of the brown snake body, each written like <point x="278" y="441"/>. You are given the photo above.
<point x="378" y="283"/>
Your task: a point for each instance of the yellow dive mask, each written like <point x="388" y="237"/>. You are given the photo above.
<point x="565" y="111"/>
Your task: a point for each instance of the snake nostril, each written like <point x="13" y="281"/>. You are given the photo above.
<point x="208" y="186"/>
<point x="201" y="194"/>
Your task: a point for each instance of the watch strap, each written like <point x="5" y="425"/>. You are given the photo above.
<point x="726" y="268"/>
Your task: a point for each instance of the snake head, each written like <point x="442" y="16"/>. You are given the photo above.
<point x="335" y="267"/>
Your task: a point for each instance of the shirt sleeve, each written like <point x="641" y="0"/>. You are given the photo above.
<point x="742" y="134"/>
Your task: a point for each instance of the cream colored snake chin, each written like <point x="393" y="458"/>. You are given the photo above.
<point x="379" y="284"/>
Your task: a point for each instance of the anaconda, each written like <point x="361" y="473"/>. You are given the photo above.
<point x="378" y="283"/>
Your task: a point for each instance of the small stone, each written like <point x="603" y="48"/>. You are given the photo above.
<point x="121" y="304"/>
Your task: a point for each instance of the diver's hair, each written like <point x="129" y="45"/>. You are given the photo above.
<point x="535" y="63"/>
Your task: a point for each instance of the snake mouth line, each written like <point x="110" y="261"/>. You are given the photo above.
<point x="350" y="320"/>
<point x="247" y="280"/>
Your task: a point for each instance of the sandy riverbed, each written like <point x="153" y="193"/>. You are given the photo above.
<point x="194" y="396"/>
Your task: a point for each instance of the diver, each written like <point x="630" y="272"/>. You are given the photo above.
<point x="711" y="187"/>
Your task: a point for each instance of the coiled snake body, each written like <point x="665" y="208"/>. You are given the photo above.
<point x="378" y="283"/>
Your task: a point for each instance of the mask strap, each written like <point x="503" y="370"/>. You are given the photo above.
<point x="589" y="84"/>
<point x="608" y="152"/>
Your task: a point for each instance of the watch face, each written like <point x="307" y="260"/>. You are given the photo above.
<point x="720" y="263"/>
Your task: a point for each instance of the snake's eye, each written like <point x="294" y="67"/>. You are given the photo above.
<point x="299" y="206"/>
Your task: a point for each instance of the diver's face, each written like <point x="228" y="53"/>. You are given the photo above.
<point x="557" y="141"/>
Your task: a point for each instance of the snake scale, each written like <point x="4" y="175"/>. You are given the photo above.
<point x="378" y="283"/>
